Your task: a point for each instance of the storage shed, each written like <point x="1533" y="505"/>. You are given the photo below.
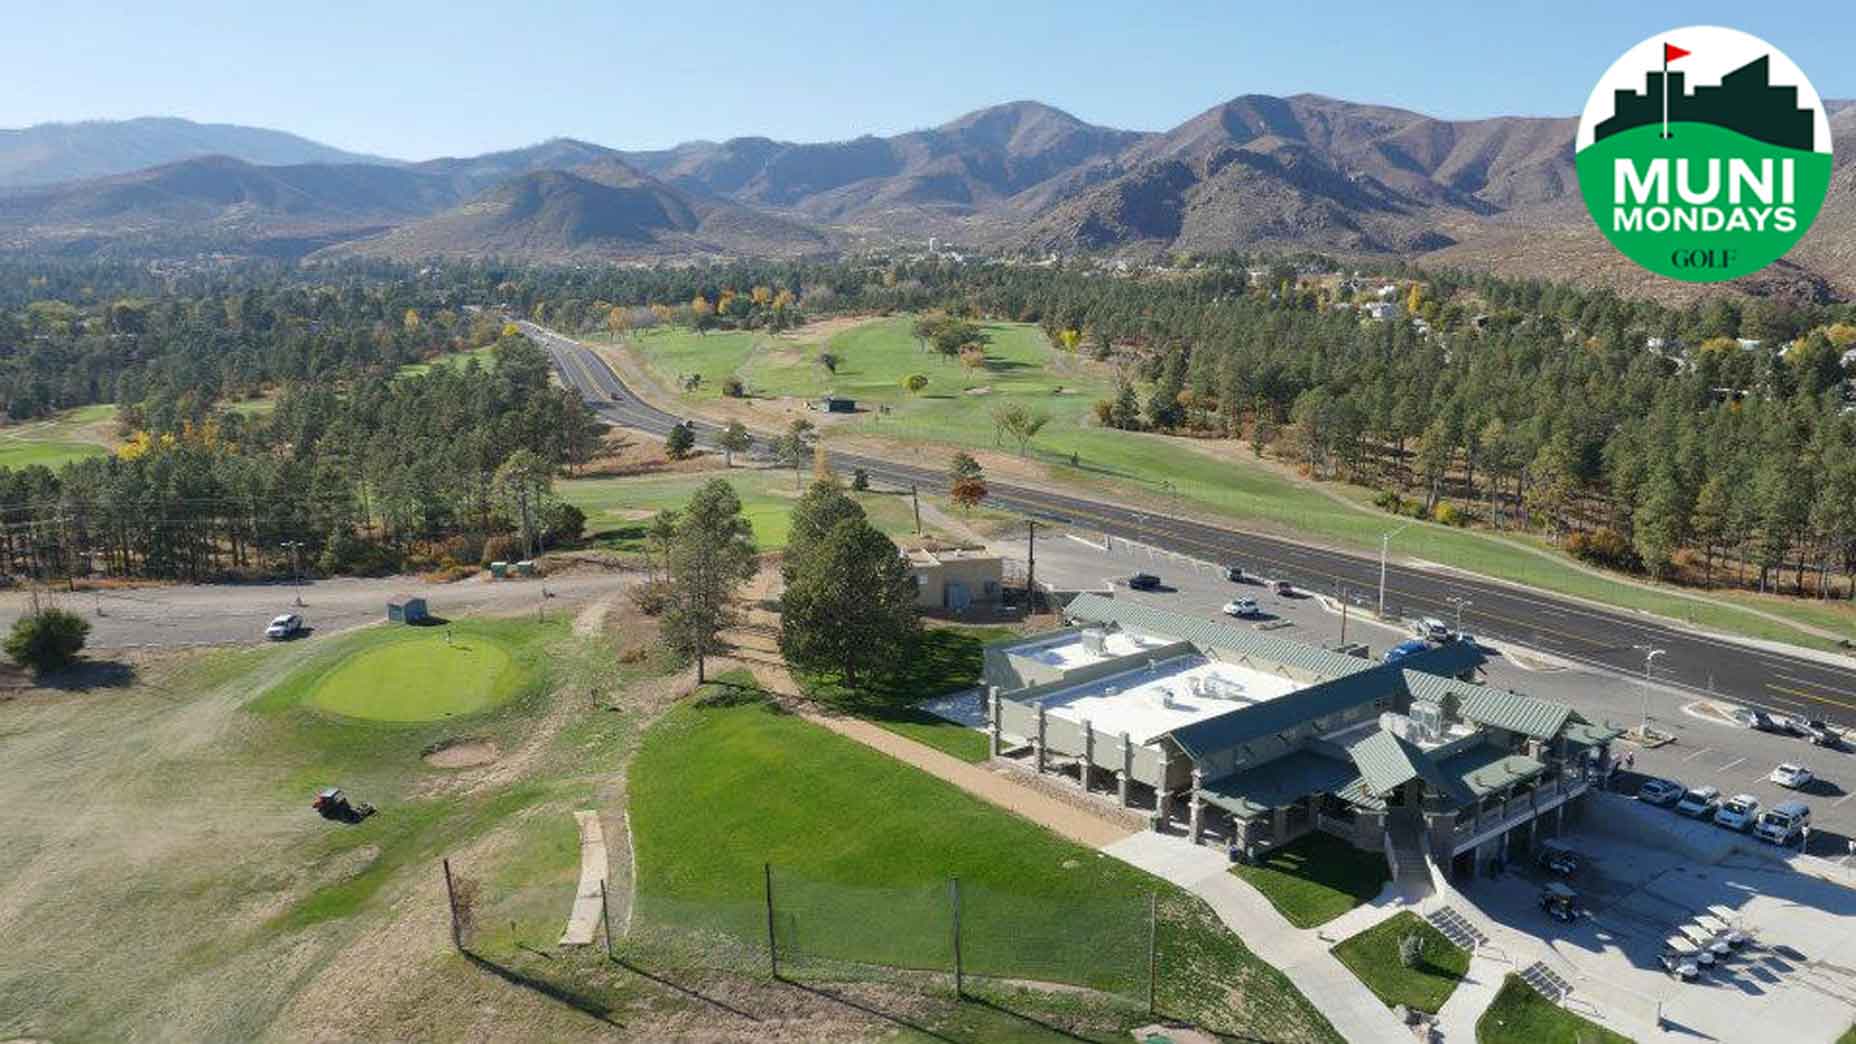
<point x="406" y="608"/>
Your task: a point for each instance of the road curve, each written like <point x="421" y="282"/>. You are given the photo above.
<point x="1610" y="639"/>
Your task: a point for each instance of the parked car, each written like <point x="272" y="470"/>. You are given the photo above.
<point x="1660" y="792"/>
<point x="1432" y="629"/>
<point x="1791" y="776"/>
<point x="1241" y="607"/>
<point x="286" y="626"/>
<point x="1821" y="734"/>
<point x="1404" y="649"/>
<point x="1282" y="587"/>
<point x="1144" y="582"/>
<point x="1235" y="574"/>
<point x="1700" y="802"/>
<point x="1759" y="720"/>
<point x="1737" y="812"/>
<point x="1782" y="823"/>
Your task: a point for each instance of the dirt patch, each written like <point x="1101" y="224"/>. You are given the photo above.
<point x="457" y="754"/>
<point x="984" y="389"/>
<point x="821" y="329"/>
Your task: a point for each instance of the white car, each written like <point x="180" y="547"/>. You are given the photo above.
<point x="1700" y="802"/>
<point x="1791" y="776"/>
<point x="285" y="626"/>
<point x="1738" y="813"/>
<point x="1241" y="607"/>
<point x="1432" y="629"/>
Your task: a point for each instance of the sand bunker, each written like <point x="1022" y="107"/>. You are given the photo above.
<point x="462" y="754"/>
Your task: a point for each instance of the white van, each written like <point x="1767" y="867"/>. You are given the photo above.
<point x="1783" y="822"/>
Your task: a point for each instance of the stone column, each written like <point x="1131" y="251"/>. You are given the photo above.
<point x="1089" y="755"/>
<point x="1038" y="752"/>
<point x="1127" y="770"/>
<point x="997" y="745"/>
<point x="1198" y="808"/>
<point x="1121" y="788"/>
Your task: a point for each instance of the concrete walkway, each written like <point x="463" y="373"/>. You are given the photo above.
<point x="1301" y="954"/>
<point x="583" y="923"/>
<point x="1456" y="1020"/>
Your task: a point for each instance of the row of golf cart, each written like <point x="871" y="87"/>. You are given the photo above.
<point x="1702" y="942"/>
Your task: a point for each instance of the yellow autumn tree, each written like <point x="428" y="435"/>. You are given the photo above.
<point x="1415" y="299"/>
<point x="411" y="320"/>
<point x="700" y="306"/>
<point x="762" y="295"/>
<point x="1070" y="338"/>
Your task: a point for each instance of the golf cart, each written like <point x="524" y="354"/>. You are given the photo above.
<point x="1559" y="859"/>
<point x="331" y="803"/>
<point x="1681" y="965"/>
<point x="1559" y="902"/>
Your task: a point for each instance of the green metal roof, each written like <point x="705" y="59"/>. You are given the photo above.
<point x="1387" y="761"/>
<point x="1586" y="734"/>
<point x="1278" y="783"/>
<point x="1541" y="719"/>
<point x="1486" y="768"/>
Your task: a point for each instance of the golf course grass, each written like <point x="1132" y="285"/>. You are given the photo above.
<point x="1316" y="878"/>
<point x="421" y="678"/>
<point x="1373" y="956"/>
<point x="1518" y="1015"/>
<point x="1163" y="472"/>
<point x="862" y="849"/>
<point x="57" y="441"/>
<point x="618" y="510"/>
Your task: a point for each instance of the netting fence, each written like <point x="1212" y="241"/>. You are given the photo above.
<point x="801" y="928"/>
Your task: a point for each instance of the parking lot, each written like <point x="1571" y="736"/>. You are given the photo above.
<point x="1706" y="751"/>
<point x="1795" y="980"/>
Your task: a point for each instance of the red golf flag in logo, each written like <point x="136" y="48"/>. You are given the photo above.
<point x="1671" y="52"/>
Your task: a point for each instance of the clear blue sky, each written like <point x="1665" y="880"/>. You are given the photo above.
<point x="420" y="78"/>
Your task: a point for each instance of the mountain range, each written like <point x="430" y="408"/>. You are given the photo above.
<point x="1303" y="172"/>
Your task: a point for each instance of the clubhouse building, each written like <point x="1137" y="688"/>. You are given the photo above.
<point x="1234" y="735"/>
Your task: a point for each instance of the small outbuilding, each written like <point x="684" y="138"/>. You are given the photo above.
<point x="406" y="608"/>
<point x="836" y="404"/>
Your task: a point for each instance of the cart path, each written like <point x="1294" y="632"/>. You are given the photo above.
<point x="583" y="923"/>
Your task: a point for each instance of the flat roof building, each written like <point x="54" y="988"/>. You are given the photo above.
<point x="1260" y="738"/>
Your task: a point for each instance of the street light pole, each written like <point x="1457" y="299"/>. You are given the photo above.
<point x="1385" y="544"/>
<point x="1649" y="656"/>
<point x="1461" y="604"/>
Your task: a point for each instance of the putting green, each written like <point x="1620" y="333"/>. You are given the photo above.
<point x="420" y="679"/>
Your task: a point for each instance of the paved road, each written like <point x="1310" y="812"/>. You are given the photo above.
<point x="1613" y="639"/>
<point x="217" y="614"/>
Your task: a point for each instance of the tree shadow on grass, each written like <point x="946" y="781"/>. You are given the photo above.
<point x="572" y="998"/>
<point x="86" y="675"/>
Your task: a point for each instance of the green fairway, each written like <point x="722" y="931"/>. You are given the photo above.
<point x="420" y="678"/>
<point x="618" y="510"/>
<point x="1164" y="473"/>
<point x="485" y="356"/>
<point x="1316" y="878"/>
<point x="1518" y="1015"/>
<point x="1373" y="956"/>
<point x="56" y="441"/>
<point x="673" y="352"/>
<point x="863" y="847"/>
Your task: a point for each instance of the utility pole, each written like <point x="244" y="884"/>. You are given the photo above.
<point x="915" y="498"/>
<point x="296" y="566"/>
<point x="1031" y="565"/>
<point x="1343" y="614"/>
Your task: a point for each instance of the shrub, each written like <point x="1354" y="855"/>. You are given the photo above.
<point x="733" y="388"/>
<point x="679" y="442"/>
<point x="1604" y="547"/>
<point x="1389" y="500"/>
<point x="48" y="640"/>
<point x="562" y="523"/>
<point x="1411" y="950"/>
<point x="652" y="597"/>
<point x="1105" y="412"/>
<point x="1449" y="515"/>
<point x="503" y="547"/>
<point x="860" y="480"/>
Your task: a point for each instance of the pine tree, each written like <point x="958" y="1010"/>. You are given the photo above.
<point x="849" y="603"/>
<point x="711" y="554"/>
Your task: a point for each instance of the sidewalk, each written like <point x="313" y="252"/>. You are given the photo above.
<point x="1301" y="954"/>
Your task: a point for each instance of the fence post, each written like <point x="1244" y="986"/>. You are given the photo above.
<point x="451" y="900"/>
<point x="1153" y="932"/>
<point x="605" y="915"/>
<point x="954" y="890"/>
<point x="773" y="952"/>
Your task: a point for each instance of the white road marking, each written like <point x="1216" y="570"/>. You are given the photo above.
<point x="1841" y="800"/>
<point x="1730" y="764"/>
<point x="1698" y="754"/>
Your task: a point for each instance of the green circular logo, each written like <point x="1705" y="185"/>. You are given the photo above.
<point x="1704" y="154"/>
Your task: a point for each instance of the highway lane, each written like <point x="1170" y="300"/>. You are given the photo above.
<point x="1609" y="639"/>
